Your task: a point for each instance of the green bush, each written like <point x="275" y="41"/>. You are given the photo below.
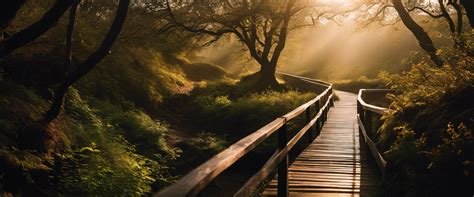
<point x="242" y="115"/>
<point x="427" y="136"/>
<point x="142" y="77"/>
<point x="147" y="134"/>
<point x="355" y="85"/>
<point x="198" y="149"/>
<point x="115" y="151"/>
<point x="203" y="72"/>
<point x="92" y="171"/>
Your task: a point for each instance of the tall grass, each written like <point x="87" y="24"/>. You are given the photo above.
<point x="242" y="115"/>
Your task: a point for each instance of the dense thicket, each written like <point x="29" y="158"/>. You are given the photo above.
<point x="427" y="137"/>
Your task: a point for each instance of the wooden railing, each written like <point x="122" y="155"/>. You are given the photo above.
<point x="364" y="116"/>
<point x="195" y="181"/>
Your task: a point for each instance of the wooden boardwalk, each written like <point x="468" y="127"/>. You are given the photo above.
<point x="335" y="163"/>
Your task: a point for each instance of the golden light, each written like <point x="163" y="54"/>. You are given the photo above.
<point x="345" y="3"/>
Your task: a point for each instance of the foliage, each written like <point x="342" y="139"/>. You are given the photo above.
<point x="238" y="116"/>
<point x="135" y="69"/>
<point x="118" y="170"/>
<point x="229" y="111"/>
<point x="198" y="149"/>
<point x="126" y="150"/>
<point x="147" y="134"/>
<point x="113" y="150"/>
<point x="355" y="85"/>
<point x="114" y="146"/>
<point x="262" y="26"/>
<point x="199" y="71"/>
<point x="427" y="136"/>
<point x="19" y="106"/>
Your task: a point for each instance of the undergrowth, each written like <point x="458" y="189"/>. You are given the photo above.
<point x="355" y="85"/>
<point x="427" y="135"/>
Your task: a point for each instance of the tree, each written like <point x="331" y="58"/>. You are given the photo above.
<point x="86" y="66"/>
<point x="443" y="9"/>
<point x="262" y="26"/>
<point x="420" y="34"/>
<point x="35" y="30"/>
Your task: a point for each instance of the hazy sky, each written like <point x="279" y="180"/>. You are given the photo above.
<point x="327" y="52"/>
<point x="349" y="51"/>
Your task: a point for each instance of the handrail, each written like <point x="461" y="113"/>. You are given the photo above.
<point x="381" y="163"/>
<point x="307" y="79"/>
<point x="252" y="183"/>
<point x="373" y="108"/>
<point x="196" y="180"/>
<point x="364" y="117"/>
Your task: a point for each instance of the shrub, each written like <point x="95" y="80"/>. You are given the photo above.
<point x="427" y="136"/>
<point x="115" y="151"/>
<point x="203" y="71"/>
<point x="198" y="149"/>
<point x="355" y="85"/>
<point x="239" y="116"/>
<point x="147" y="134"/>
<point x="118" y="170"/>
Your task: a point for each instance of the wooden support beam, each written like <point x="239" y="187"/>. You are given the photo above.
<point x="283" y="190"/>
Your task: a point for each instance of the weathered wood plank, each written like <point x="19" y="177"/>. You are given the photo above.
<point x="335" y="162"/>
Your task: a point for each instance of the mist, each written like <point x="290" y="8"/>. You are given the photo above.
<point x="328" y="51"/>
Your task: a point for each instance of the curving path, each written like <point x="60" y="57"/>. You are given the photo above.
<point x="335" y="163"/>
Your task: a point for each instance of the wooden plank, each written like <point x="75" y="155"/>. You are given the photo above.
<point x="263" y="173"/>
<point x="336" y="161"/>
<point x="192" y="183"/>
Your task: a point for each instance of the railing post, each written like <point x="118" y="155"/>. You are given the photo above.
<point x="359" y="108"/>
<point x="308" y="119"/>
<point x="283" y="190"/>
<point x="318" y="122"/>
<point x="361" y="113"/>
<point x="325" y="111"/>
<point x="331" y="102"/>
<point x="368" y="122"/>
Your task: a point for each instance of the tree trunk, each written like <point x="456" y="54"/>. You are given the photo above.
<point x="423" y="38"/>
<point x="446" y="15"/>
<point x="69" y="35"/>
<point x="8" y="10"/>
<point x="90" y="62"/>
<point x="469" y="7"/>
<point x="35" y="30"/>
<point x="267" y="77"/>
